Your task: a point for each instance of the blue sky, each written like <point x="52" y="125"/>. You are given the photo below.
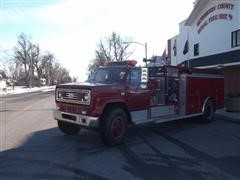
<point x="71" y="29"/>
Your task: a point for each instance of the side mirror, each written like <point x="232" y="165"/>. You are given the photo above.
<point x="143" y="85"/>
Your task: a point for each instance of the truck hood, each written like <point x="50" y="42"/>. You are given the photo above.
<point x="86" y="85"/>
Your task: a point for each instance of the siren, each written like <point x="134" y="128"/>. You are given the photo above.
<point x="121" y="63"/>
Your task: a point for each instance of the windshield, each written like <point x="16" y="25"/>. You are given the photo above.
<point x="108" y="75"/>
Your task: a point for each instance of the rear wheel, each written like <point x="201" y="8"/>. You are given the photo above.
<point x="68" y="128"/>
<point x="208" y="113"/>
<point x="113" y="127"/>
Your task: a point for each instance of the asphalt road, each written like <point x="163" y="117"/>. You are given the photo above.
<point x="32" y="147"/>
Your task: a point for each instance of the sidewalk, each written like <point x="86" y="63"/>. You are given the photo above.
<point x="24" y="89"/>
<point x="234" y="116"/>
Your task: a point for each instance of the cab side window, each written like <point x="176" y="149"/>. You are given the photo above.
<point x="134" y="77"/>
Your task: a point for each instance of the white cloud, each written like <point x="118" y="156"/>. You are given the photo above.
<point x="71" y="29"/>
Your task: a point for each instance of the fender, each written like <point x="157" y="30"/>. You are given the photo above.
<point x="101" y="103"/>
<point x="205" y="102"/>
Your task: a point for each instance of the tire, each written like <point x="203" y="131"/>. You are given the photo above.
<point x="113" y="127"/>
<point x="208" y="114"/>
<point x="68" y="128"/>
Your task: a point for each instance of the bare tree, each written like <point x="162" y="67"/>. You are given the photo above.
<point x="64" y="75"/>
<point x="26" y="61"/>
<point x="46" y="68"/>
<point x="56" y="79"/>
<point x="60" y="74"/>
<point x="11" y="68"/>
<point x="112" y="48"/>
<point x="52" y="71"/>
<point x="27" y="54"/>
<point x="33" y="61"/>
<point x="21" y="51"/>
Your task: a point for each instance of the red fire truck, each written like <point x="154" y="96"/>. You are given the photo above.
<point x="120" y="94"/>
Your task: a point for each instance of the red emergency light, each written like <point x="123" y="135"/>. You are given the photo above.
<point x="121" y="63"/>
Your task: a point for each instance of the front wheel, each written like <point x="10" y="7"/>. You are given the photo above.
<point x="113" y="127"/>
<point x="68" y="128"/>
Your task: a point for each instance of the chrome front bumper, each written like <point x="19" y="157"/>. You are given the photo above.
<point x="82" y="120"/>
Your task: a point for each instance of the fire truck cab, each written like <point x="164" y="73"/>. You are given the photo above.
<point x="120" y="94"/>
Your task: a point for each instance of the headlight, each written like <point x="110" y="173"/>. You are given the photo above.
<point x="86" y="97"/>
<point x="59" y="95"/>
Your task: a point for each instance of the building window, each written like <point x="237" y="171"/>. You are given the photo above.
<point x="196" y="49"/>
<point x="236" y="38"/>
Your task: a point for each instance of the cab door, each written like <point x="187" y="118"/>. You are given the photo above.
<point x="137" y="94"/>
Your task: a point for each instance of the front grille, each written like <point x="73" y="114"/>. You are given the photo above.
<point x="72" y="108"/>
<point x="76" y="96"/>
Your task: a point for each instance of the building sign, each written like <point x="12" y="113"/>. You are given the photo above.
<point x="203" y="21"/>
